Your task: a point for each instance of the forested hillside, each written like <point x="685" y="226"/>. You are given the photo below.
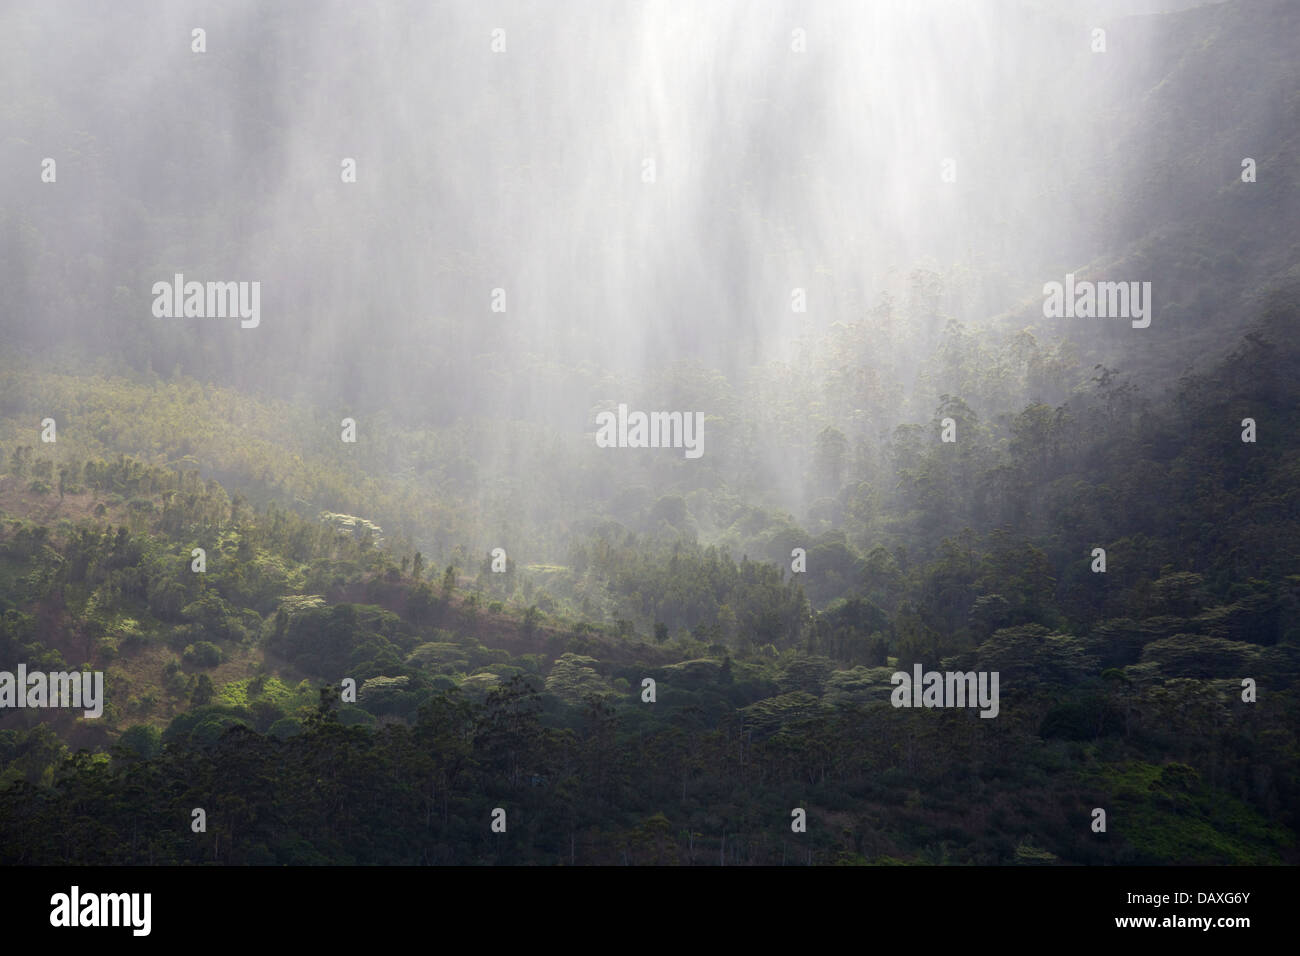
<point x="357" y="651"/>
<point x="524" y="689"/>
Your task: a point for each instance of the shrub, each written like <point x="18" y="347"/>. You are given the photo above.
<point x="142" y="740"/>
<point x="204" y="654"/>
<point x="285" y="727"/>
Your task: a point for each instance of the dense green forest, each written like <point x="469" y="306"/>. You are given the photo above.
<point x="361" y="652"/>
<point x="523" y="689"/>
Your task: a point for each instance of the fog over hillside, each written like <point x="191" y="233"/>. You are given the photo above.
<point x="483" y="361"/>
<point x="789" y="148"/>
<point x="548" y="218"/>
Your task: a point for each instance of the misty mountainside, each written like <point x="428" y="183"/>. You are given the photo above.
<point x="481" y="230"/>
<point x="774" y="170"/>
<point x="1121" y="165"/>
